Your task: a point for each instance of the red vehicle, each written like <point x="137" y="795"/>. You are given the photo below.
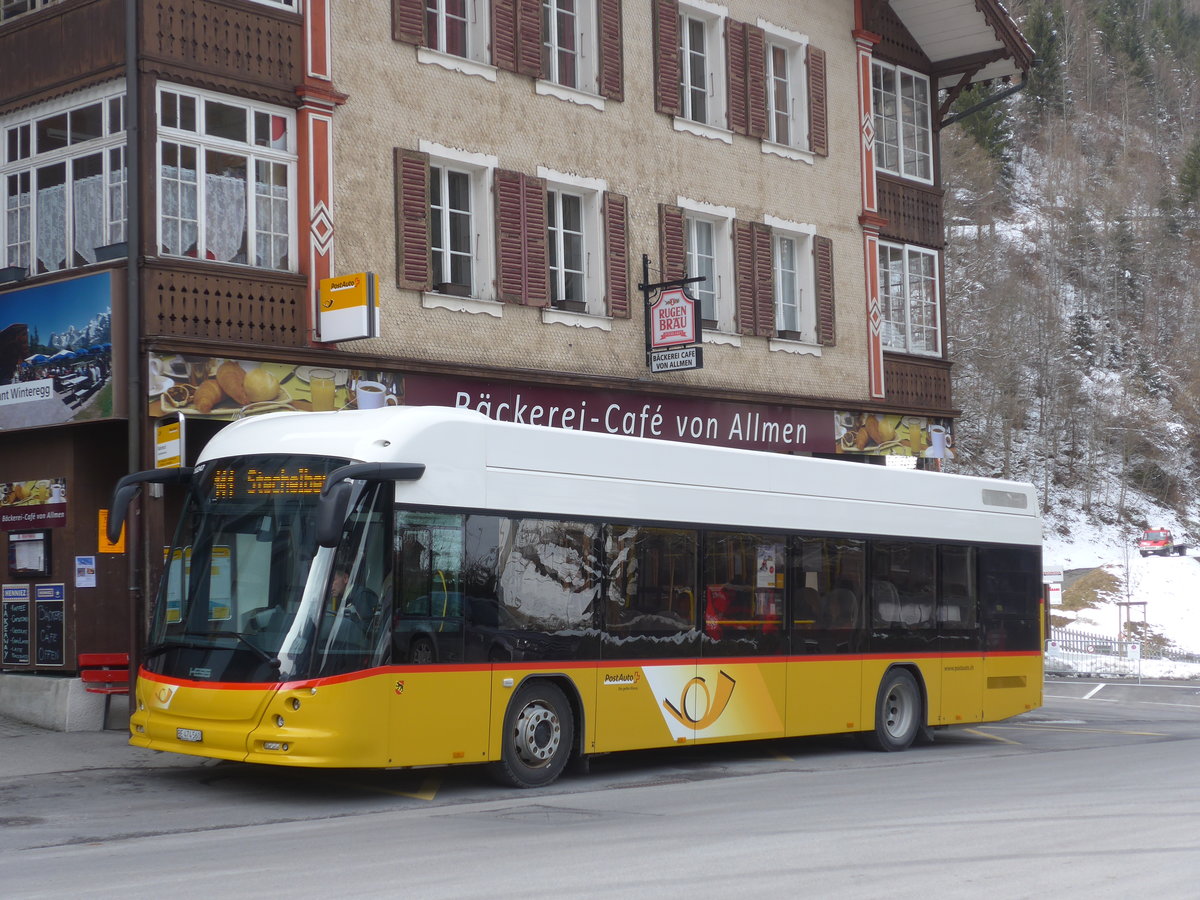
<point x="1160" y="541"/>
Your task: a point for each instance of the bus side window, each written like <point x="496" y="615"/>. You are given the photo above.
<point x="652" y="580"/>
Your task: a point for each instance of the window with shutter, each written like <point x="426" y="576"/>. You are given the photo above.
<point x="610" y="76"/>
<point x="818" y="128"/>
<point x="793" y="289"/>
<point x="444" y="207"/>
<point x="707" y="233"/>
<point x="823" y="265"/>
<point x="413" y="265"/>
<point x="616" y="254"/>
<point x="521" y="244"/>
<point x="746" y="79"/>
<point x="456" y="28"/>
<point x="666" y="56"/>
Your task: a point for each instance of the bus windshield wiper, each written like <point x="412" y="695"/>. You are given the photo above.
<point x="159" y="649"/>
<point x="272" y="661"/>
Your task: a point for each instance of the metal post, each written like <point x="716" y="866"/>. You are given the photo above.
<point x="133" y="325"/>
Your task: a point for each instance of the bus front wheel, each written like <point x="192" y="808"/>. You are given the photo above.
<point x="898" y="713"/>
<point x="538" y="732"/>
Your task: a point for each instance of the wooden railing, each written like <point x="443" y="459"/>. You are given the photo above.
<point x="209" y="302"/>
<point x="913" y="211"/>
<point x="917" y="383"/>
<point x="228" y="42"/>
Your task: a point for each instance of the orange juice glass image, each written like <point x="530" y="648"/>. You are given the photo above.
<point x="321" y="386"/>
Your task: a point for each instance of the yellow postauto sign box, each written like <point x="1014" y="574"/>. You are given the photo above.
<point x="348" y="307"/>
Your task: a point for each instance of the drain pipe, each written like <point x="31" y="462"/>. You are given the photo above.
<point x="133" y="328"/>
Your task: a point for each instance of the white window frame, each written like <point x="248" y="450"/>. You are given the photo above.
<point x="585" y="37"/>
<point x="805" y="295"/>
<point x="295" y="6"/>
<point x="721" y="219"/>
<point x="481" y="169"/>
<point x="911" y="139"/>
<point x="590" y="191"/>
<point x="12" y="10"/>
<point x="795" y="46"/>
<point x="712" y="17"/>
<point x="204" y="144"/>
<point x="20" y="229"/>
<point x="896" y="300"/>
<point x="477" y="60"/>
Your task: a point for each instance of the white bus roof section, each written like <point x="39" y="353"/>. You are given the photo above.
<point x="475" y="463"/>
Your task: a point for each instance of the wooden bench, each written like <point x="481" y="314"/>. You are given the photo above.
<point x="104" y="673"/>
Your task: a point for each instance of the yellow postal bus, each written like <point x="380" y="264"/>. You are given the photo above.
<point x="424" y="586"/>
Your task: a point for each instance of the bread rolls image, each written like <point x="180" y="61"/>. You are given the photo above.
<point x="232" y="379"/>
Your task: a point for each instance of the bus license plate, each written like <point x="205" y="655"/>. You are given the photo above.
<point x="189" y="734"/>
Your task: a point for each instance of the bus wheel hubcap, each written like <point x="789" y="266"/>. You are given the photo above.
<point x="538" y="734"/>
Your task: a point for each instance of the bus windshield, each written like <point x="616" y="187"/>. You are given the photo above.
<point x="246" y="595"/>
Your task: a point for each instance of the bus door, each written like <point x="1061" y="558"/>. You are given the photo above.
<point x="826" y="585"/>
<point x="441" y="705"/>
<point x="959" y="637"/>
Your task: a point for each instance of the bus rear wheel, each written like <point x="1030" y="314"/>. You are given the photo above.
<point x="898" y="713"/>
<point x="539" y="729"/>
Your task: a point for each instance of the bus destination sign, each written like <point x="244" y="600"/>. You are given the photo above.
<point x="234" y="484"/>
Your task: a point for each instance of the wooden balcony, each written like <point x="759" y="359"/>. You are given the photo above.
<point x="225" y="44"/>
<point x="913" y="211"/>
<point x="204" y="301"/>
<point x="918" y="383"/>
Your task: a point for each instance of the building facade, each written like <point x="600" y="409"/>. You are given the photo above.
<point x="220" y="208"/>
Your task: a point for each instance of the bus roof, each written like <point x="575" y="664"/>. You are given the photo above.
<point x="473" y="462"/>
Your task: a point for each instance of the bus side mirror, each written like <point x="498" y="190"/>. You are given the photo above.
<point x="335" y="493"/>
<point x="128" y="487"/>
<point x="331" y="514"/>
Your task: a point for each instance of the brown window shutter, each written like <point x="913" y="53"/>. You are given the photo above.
<point x="616" y="254"/>
<point x="735" y="56"/>
<point x="823" y="264"/>
<point x="764" y="281"/>
<point x="671" y="247"/>
<point x="408" y="22"/>
<point x="510" y="235"/>
<point x="611" y="75"/>
<point x="537" y="259"/>
<point x="666" y="57"/>
<point x="504" y="34"/>
<point x="413" y="264"/>
<point x="756" y="82"/>
<point x="743" y="276"/>
<point x="529" y="38"/>
<point x="818" y="129"/>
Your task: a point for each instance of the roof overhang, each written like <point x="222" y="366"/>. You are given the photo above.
<point x="966" y="40"/>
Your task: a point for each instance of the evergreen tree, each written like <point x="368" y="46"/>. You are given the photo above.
<point x="1082" y="350"/>
<point x="1189" y="175"/>
<point x="1044" y="26"/>
<point x="990" y="127"/>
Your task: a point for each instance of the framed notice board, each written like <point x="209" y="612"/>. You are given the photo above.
<point x="29" y="554"/>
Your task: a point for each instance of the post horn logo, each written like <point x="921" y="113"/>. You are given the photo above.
<point x="712" y="707"/>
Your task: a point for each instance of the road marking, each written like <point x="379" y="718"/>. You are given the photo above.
<point x="994" y="737"/>
<point x="1092" y="693"/>
<point x="1037" y="727"/>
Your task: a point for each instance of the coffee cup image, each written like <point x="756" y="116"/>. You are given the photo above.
<point x="373" y="395"/>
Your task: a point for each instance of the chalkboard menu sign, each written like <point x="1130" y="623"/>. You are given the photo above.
<point x="50" y="614"/>
<point x="15" y="625"/>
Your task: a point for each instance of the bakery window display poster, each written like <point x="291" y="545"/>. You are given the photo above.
<point x="226" y="389"/>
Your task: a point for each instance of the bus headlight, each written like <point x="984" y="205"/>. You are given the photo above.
<point x="279" y="721"/>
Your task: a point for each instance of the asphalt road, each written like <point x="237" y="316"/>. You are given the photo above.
<point x="1095" y="795"/>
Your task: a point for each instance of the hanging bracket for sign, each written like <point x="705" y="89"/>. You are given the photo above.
<point x="672" y="323"/>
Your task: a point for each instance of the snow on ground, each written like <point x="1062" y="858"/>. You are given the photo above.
<point x="1169" y="586"/>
